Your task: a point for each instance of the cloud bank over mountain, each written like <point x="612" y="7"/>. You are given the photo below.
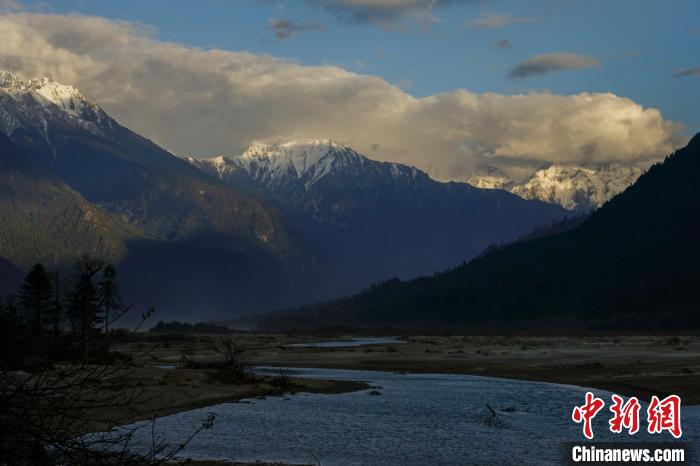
<point x="205" y="102"/>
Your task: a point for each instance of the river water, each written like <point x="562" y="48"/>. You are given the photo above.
<point x="351" y="342"/>
<point x="419" y="419"/>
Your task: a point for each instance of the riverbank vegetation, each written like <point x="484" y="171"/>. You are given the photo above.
<point x="60" y="375"/>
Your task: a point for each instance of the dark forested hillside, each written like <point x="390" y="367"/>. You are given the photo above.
<point x="43" y="219"/>
<point x="633" y="264"/>
<point x="73" y="181"/>
<point x="10" y="277"/>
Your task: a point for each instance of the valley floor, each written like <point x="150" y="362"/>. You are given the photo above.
<point x="630" y="365"/>
<point x="161" y="391"/>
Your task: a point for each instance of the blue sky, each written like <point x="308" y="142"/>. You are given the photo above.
<point x="640" y="45"/>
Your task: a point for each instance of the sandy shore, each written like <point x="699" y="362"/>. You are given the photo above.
<point x="629" y="365"/>
<point x="159" y="392"/>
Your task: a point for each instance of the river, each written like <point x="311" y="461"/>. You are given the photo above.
<point x="406" y="419"/>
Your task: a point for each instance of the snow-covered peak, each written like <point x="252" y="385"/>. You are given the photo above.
<point x="302" y="163"/>
<point x="310" y="149"/>
<point x="218" y="161"/>
<point x="575" y="187"/>
<point x="64" y="96"/>
<point x="578" y="187"/>
<point x="220" y="166"/>
<point x="307" y="160"/>
<point x="489" y="177"/>
<point x="10" y="82"/>
<point x="55" y="98"/>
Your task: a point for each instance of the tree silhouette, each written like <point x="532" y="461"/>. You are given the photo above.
<point x="35" y="297"/>
<point x="57" y="307"/>
<point x="110" y="298"/>
<point x="49" y="398"/>
<point x="84" y="301"/>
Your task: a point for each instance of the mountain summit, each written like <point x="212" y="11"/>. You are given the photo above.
<point x="75" y="181"/>
<point x="300" y="164"/>
<point x="36" y="103"/>
<point x="582" y="188"/>
<point x="574" y="187"/>
<point x="631" y="265"/>
<point x="489" y="177"/>
<point x="372" y="220"/>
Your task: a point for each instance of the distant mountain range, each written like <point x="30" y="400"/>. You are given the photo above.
<point x="371" y="220"/>
<point x="277" y="226"/>
<point x="74" y="181"/>
<point x="575" y="187"/>
<point x="631" y="265"/>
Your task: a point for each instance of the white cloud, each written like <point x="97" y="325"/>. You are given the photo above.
<point x="206" y="102"/>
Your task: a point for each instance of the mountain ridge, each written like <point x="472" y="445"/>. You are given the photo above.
<point x="180" y="225"/>
<point x="377" y="219"/>
<point x="124" y="172"/>
<point x="578" y="187"/>
<point x="631" y="265"/>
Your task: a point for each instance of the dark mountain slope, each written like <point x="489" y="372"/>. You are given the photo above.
<point x="10" y="277"/>
<point x="633" y="264"/>
<point x="43" y="219"/>
<point x="74" y="181"/>
<point x="72" y="138"/>
<point x="370" y="220"/>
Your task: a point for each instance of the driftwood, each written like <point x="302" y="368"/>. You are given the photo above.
<point x="494" y="420"/>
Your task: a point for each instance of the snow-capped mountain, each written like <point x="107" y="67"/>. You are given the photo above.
<point x="489" y="177"/>
<point x="301" y="165"/>
<point x="73" y="180"/>
<point x="574" y="187"/>
<point x="37" y="103"/>
<point x="372" y="220"/>
<point x="632" y="265"/>
<point x="579" y="188"/>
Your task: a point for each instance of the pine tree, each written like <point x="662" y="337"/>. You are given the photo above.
<point x="84" y="301"/>
<point x="57" y="308"/>
<point x="35" y="297"/>
<point x="110" y="298"/>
